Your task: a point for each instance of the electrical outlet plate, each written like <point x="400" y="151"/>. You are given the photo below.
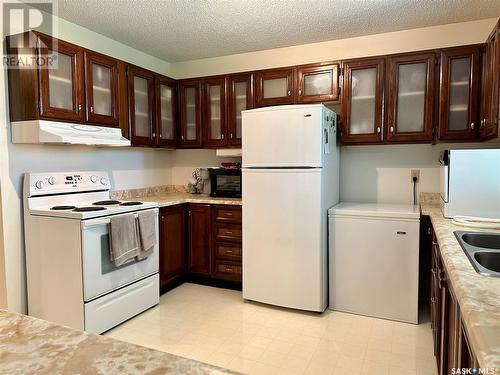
<point x="415" y="173"/>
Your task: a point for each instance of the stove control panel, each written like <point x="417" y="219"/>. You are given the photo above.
<point x="64" y="182"/>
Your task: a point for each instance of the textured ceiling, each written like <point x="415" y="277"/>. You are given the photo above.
<point x="178" y="30"/>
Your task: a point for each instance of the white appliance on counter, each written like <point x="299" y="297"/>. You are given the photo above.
<point x="290" y="177"/>
<point x="374" y="260"/>
<point x="71" y="279"/>
<point x="470" y="183"/>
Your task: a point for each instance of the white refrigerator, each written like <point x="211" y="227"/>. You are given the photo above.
<point x="290" y="178"/>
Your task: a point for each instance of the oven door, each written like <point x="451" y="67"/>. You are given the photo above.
<point x="100" y="276"/>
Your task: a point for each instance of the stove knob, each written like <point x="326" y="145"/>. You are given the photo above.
<point x="39" y="184"/>
<point x="104" y="181"/>
<point x="51" y="180"/>
<point x="93" y="179"/>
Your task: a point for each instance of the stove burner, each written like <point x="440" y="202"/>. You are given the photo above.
<point x="60" y="208"/>
<point x="85" y="209"/>
<point x="106" y="203"/>
<point x="130" y="203"/>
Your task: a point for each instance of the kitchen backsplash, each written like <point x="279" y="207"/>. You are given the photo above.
<point x="147" y="191"/>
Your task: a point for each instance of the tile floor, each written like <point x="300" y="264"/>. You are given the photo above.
<point x="215" y="326"/>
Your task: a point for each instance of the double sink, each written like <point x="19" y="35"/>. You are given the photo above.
<point x="483" y="251"/>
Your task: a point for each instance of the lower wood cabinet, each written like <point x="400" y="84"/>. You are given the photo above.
<point x="451" y="345"/>
<point x="172" y="244"/>
<point x="199" y="239"/>
<point x="226" y="229"/>
<point x="199" y="242"/>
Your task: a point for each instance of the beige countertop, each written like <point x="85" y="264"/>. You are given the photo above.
<point x="173" y="198"/>
<point x="477" y="295"/>
<point x="33" y="346"/>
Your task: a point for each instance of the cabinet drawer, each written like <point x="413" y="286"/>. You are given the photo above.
<point x="228" y="214"/>
<point x="228" y="232"/>
<point x="228" y="251"/>
<point x="228" y="270"/>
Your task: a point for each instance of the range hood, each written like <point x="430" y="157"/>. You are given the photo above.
<point x="43" y="131"/>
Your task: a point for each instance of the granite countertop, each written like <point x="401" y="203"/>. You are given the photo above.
<point x="477" y="295"/>
<point x="173" y="198"/>
<point x="33" y="346"/>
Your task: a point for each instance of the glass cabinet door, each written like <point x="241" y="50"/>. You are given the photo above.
<point x="274" y="87"/>
<point x="61" y="84"/>
<point x="362" y="101"/>
<point x="214" y="120"/>
<point x="459" y="85"/>
<point x="101" y="77"/>
<point x="190" y="112"/>
<point x="490" y="90"/>
<point x="411" y="97"/>
<point x="166" y="111"/>
<point x="239" y="99"/>
<point x="317" y="83"/>
<point x="141" y="91"/>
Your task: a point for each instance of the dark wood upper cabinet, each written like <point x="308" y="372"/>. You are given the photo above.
<point x="199" y="239"/>
<point x="141" y="106"/>
<point x="317" y="83"/>
<point x="166" y="111"/>
<point x="459" y="88"/>
<point x="190" y="113"/>
<point x="101" y="89"/>
<point x="61" y="86"/>
<point x="410" y="97"/>
<point x="490" y="86"/>
<point x="362" y="100"/>
<point x="214" y="112"/>
<point x="274" y="87"/>
<point x="239" y="98"/>
<point x="172" y="243"/>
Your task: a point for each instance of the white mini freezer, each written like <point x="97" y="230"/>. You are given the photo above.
<point x="373" y="260"/>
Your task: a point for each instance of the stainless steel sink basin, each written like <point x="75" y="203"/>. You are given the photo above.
<point x="483" y="251"/>
<point x="488" y="259"/>
<point x="485" y="240"/>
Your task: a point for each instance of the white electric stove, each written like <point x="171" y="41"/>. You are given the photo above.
<point x="71" y="279"/>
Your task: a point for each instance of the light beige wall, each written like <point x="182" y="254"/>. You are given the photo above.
<point x="370" y="45"/>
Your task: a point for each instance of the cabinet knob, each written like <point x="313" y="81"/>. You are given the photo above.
<point x="182" y="137"/>
<point x="79" y="108"/>
<point x="231" y="135"/>
<point x="159" y="135"/>
<point x="91" y="109"/>
<point x="378" y="129"/>
<point x="472" y="125"/>
<point x="300" y="92"/>
<point x="391" y="129"/>
<point x="289" y="93"/>
<point x="222" y="135"/>
<point x="153" y="134"/>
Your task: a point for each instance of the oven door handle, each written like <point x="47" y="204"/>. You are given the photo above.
<point x="102" y="221"/>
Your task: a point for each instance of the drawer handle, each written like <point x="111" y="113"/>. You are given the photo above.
<point x="229" y="214"/>
<point x="228" y="269"/>
<point x="229" y="232"/>
<point x="229" y="251"/>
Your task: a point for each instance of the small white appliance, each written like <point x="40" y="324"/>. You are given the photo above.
<point x="373" y="260"/>
<point x="290" y="177"/>
<point x="70" y="277"/>
<point x="470" y="183"/>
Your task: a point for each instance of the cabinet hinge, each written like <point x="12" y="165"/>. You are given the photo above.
<point x="39" y="105"/>
<point x="436" y="61"/>
<point x="341" y="71"/>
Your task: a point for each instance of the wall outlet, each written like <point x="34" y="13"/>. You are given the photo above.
<point x="415" y="173"/>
